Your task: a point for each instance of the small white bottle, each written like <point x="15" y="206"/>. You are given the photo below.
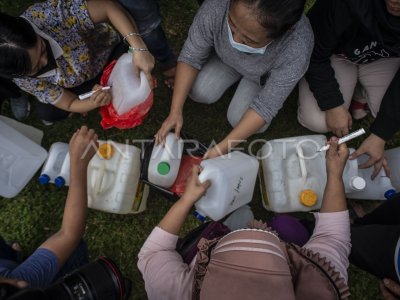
<point x="63" y="177"/>
<point x="165" y="161"/>
<point x="232" y="177"/>
<point x="52" y="167"/>
<point x="351" y="179"/>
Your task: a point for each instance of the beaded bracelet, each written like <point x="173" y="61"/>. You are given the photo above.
<point x="128" y="35"/>
<point x="131" y="49"/>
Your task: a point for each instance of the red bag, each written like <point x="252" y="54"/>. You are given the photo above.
<point x="185" y="171"/>
<point x="130" y="119"/>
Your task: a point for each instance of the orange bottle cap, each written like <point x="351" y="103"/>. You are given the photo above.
<point x="106" y="151"/>
<point x="308" y="197"/>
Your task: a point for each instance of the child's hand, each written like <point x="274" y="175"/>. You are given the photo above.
<point x="101" y="97"/>
<point x="82" y="146"/>
<point x="194" y="188"/>
<point x="336" y="158"/>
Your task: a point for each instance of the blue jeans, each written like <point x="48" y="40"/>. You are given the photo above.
<point x="147" y="17"/>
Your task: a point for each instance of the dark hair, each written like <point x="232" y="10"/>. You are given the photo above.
<point x="276" y="16"/>
<point x="16" y="36"/>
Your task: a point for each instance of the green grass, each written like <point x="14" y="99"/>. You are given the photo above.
<point x="37" y="211"/>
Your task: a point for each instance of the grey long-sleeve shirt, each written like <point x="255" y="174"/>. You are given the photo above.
<point x="278" y="70"/>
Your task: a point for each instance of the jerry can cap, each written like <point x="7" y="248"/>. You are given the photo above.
<point x="163" y="168"/>
<point x="199" y="216"/>
<point x="308" y="197"/>
<point x="106" y="151"/>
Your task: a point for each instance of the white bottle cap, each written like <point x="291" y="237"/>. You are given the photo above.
<point x="358" y="183"/>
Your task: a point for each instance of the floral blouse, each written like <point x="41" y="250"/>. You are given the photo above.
<point x="80" y="47"/>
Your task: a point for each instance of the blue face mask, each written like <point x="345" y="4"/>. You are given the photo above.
<point x="244" y="48"/>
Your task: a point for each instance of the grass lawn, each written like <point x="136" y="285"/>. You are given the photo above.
<point x="37" y="211"/>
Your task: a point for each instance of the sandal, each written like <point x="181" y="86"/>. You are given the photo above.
<point x="169" y="77"/>
<point x="358" y="109"/>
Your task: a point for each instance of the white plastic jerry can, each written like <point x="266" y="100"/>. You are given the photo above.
<point x="232" y="177"/>
<point x="380" y="188"/>
<point x="393" y="158"/>
<point x="127" y="90"/>
<point x="20" y="156"/>
<point x="293" y="173"/>
<point x="113" y="179"/>
<point x="165" y="161"/>
<point x="54" y="162"/>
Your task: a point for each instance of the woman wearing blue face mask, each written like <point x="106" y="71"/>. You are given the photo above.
<point x="263" y="44"/>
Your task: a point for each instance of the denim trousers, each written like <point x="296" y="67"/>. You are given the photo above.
<point x="146" y="14"/>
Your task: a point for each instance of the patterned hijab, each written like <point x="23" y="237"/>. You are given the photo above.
<point x="255" y="264"/>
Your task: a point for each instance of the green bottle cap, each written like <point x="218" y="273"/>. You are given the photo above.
<point x="163" y="168"/>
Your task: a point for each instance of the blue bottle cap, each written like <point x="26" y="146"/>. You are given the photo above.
<point x="59" y="182"/>
<point x="199" y="216"/>
<point x="390" y="193"/>
<point x="44" y="179"/>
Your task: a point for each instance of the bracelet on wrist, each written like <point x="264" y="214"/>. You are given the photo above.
<point x="128" y="35"/>
<point x="131" y="49"/>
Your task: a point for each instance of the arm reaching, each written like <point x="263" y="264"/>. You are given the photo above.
<point x="334" y="199"/>
<point x="63" y="243"/>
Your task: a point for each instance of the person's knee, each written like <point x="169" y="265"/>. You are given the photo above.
<point x="312" y="122"/>
<point x="200" y="95"/>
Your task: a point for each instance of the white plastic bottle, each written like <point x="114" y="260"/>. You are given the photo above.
<point x="114" y="179"/>
<point x="380" y="188"/>
<point x="63" y="177"/>
<point x="351" y="179"/>
<point x="52" y="167"/>
<point x="293" y="173"/>
<point x="127" y="90"/>
<point x="393" y="158"/>
<point x="232" y="177"/>
<point x="165" y="161"/>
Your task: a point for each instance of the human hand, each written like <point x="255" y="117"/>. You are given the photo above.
<point x="374" y="147"/>
<point x="338" y="120"/>
<point x="174" y="120"/>
<point x="82" y="146"/>
<point x="390" y="289"/>
<point x="194" y="188"/>
<point x="215" y="151"/>
<point x="144" y="61"/>
<point x="14" y="282"/>
<point x="101" y="97"/>
<point x="336" y="158"/>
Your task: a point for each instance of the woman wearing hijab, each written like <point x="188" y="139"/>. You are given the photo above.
<point x="354" y="65"/>
<point x="253" y="263"/>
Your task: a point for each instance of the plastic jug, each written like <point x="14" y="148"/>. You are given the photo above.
<point x="380" y="188"/>
<point x="232" y="177"/>
<point x="63" y="177"/>
<point x="113" y="179"/>
<point x="393" y="158"/>
<point x="293" y="173"/>
<point x="52" y="167"/>
<point x="165" y="161"/>
<point x="127" y="90"/>
<point x="353" y="182"/>
<point x="20" y="158"/>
